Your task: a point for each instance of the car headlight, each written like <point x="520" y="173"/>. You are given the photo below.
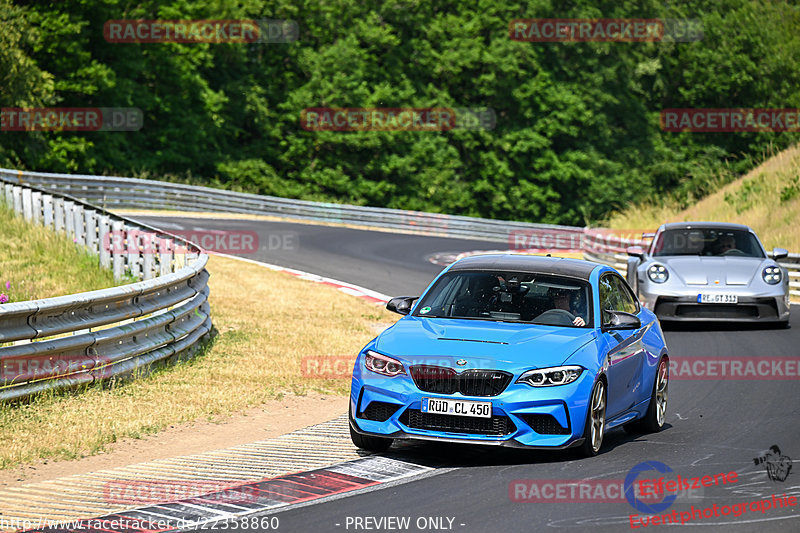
<point x="658" y="273"/>
<point x="772" y="275"/>
<point x="383" y="364"/>
<point x="550" y="377"/>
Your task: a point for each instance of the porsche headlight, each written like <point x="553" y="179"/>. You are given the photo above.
<point x="550" y="377"/>
<point x="772" y="275"/>
<point x="382" y="364"/>
<point x="658" y="273"/>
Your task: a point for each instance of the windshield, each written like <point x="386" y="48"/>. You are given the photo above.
<point x="707" y="242"/>
<point x="509" y="297"/>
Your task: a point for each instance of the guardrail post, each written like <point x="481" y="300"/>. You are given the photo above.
<point x="58" y="215"/>
<point x="9" y="194"/>
<point x="80" y="231"/>
<point x="69" y="218"/>
<point x="117" y="254"/>
<point x="90" y="220"/>
<point x="106" y="241"/>
<point x="27" y="207"/>
<point x="148" y="249"/>
<point x="133" y="252"/>
<point x="16" y="191"/>
<point x="36" y="206"/>
<point x="165" y="246"/>
<point x="47" y="202"/>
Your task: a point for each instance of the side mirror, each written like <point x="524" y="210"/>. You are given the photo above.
<point x="401" y="304"/>
<point x="780" y="253"/>
<point x="635" y="251"/>
<point x="620" y="320"/>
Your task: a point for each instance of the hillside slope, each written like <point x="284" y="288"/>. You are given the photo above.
<point x="766" y="199"/>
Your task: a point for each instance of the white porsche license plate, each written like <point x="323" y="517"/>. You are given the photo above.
<point x="457" y="407"/>
<point x="717" y="299"/>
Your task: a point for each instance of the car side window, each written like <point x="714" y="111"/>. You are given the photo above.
<point x="615" y="296"/>
<point x="608" y="294"/>
<point x="625" y="300"/>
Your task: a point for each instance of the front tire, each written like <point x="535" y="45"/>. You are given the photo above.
<point x="595" y="421"/>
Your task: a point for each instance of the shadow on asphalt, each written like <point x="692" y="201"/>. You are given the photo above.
<point x="451" y="455"/>
<point x="721" y="326"/>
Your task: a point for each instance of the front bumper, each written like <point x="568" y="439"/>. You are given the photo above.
<point x="522" y="416"/>
<point x="682" y="306"/>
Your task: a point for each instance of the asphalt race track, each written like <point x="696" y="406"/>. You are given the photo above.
<point x="713" y="426"/>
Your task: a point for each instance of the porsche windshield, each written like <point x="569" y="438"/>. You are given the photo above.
<point x="707" y="242"/>
<point x="509" y="297"/>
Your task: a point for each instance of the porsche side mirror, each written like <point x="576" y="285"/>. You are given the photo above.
<point x="635" y="251"/>
<point x="620" y="320"/>
<point x="780" y="253"/>
<point x="401" y="304"/>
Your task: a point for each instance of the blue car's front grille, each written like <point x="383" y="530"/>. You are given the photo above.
<point x="443" y="380"/>
<point x="497" y="425"/>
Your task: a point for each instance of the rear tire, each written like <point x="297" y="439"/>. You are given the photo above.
<point x="656" y="414"/>
<point x="595" y="421"/>
<point x="366" y="442"/>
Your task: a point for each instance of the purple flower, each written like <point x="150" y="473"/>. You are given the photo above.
<point x="3" y="298"/>
<point x="8" y="284"/>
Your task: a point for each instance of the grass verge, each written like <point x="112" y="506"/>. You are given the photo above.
<point x="767" y="199"/>
<point x="36" y="262"/>
<point x="268" y="322"/>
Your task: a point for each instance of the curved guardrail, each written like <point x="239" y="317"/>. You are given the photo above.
<point x="80" y="339"/>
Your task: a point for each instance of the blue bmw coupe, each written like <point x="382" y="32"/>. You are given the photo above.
<point x="513" y="350"/>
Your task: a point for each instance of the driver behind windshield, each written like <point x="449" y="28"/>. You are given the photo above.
<point x="562" y="299"/>
<point x="726" y="243"/>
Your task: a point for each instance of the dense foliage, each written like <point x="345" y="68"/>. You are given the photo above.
<point x="577" y="131"/>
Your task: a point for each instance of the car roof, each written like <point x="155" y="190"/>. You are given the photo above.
<point x="702" y="225"/>
<point x="527" y="263"/>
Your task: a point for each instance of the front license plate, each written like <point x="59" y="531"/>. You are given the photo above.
<point x="717" y="299"/>
<point x="457" y="407"/>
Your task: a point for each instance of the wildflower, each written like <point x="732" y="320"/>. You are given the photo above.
<point x="8" y="284"/>
<point x="3" y="298"/>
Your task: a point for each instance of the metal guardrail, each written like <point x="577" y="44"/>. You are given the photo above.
<point x="115" y="192"/>
<point x="80" y="339"/>
<point x="603" y="247"/>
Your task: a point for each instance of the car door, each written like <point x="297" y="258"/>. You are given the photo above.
<point x="624" y="348"/>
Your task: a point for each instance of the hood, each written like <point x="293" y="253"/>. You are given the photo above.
<point x="698" y="270"/>
<point x="481" y="344"/>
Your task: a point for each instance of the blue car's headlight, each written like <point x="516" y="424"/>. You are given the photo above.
<point x="658" y="273"/>
<point x="772" y="275"/>
<point x="383" y="364"/>
<point x="549" y="377"/>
